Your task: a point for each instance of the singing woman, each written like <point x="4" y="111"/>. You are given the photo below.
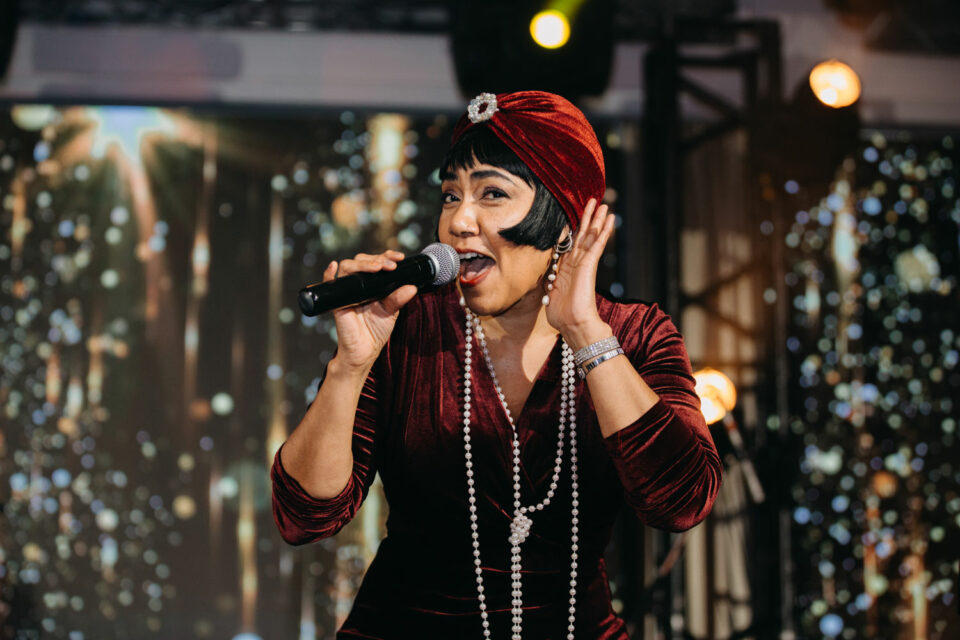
<point x="510" y="414"/>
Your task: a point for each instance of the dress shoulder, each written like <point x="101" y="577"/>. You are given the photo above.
<point x="640" y="326"/>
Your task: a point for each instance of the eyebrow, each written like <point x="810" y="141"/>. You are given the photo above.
<point x="480" y="174"/>
<point x="489" y="173"/>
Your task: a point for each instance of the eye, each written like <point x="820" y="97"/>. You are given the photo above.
<point x="493" y="192"/>
<point x="448" y="197"/>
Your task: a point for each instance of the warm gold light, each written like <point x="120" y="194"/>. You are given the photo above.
<point x="835" y="84"/>
<point x="717" y="394"/>
<point x="550" y="29"/>
<point x="884" y="483"/>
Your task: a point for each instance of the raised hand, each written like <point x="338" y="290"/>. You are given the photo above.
<point x="363" y="330"/>
<point x="573" y="305"/>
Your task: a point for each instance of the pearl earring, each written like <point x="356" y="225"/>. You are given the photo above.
<point x="563" y="246"/>
<point x="551" y="275"/>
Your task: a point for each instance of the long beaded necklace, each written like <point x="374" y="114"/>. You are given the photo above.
<point x="521" y="523"/>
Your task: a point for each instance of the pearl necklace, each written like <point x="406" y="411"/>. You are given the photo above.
<point x="520" y="525"/>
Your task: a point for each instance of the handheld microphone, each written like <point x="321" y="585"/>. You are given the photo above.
<point x="436" y="266"/>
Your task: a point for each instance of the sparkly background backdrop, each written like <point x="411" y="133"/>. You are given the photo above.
<point x="154" y="358"/>
<point x="875" y="343"/>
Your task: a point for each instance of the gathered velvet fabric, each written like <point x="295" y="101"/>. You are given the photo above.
<point x="408" y="429"/>
<point x="554" y="139"/>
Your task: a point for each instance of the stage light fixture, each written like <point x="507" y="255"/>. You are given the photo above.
<point x="718" y="395"/>
<point x="550" y="29"/>
<point x="835" y="84"/>
<point x="563" y="46"/>
<point x="809" y="138"/>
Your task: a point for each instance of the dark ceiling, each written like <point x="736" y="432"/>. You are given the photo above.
<point x="921" y="26"/>
<point x="635" y="19"/>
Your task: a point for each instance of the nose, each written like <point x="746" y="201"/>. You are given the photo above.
<point x="463" y="221"/>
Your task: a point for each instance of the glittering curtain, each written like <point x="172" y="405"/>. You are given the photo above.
<point x="874" y="353"/>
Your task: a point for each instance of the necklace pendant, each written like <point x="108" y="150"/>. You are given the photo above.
<point x="520" y="528"/>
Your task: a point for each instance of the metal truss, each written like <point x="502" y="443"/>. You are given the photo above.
<point x="751" y="51"/>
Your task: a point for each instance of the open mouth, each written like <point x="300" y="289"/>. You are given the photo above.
<point x="473" y="267"/>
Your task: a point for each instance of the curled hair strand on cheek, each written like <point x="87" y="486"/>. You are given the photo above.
<point x="543" y="224"/>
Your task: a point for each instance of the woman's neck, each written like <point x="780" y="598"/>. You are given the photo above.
<point x="524" y="320"/>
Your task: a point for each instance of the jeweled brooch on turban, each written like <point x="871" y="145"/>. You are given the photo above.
<point x="482" y="107"/>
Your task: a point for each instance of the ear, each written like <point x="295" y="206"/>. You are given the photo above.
<point x="566" y="240"/>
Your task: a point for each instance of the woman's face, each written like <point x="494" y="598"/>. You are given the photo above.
<point x="495" y="274"/>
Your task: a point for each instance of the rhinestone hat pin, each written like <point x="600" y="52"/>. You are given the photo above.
<point x="482" y="107"/>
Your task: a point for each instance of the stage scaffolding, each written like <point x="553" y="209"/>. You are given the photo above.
<point x="704" y="248"/>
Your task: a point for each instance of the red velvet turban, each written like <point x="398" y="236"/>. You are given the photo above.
<point x="551" y="136"/>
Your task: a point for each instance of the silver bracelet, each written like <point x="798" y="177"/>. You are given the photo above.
<point x="595" y="349"/>
<point x="587" y="368"/>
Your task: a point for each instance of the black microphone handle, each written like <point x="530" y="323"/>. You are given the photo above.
<point x="357" y="288"/>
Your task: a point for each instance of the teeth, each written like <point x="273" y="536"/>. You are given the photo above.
<point x="471" y="255"/>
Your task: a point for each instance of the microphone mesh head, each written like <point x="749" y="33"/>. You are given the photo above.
<point x="446" y="261"/>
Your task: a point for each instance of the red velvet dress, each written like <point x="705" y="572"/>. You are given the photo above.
<point x="408" y="428"/>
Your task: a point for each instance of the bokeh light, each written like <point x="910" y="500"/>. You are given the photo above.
<point x="550" y="29"/>
<point x="835" y="84"/>
<point x="718" y="395"/>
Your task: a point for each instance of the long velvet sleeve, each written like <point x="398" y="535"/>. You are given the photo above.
<point x="666" y="460"/>
<point x="301" y="517"/>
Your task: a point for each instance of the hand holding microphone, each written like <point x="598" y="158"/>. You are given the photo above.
<point x="437" y="265"/>
<point x="369" y="292"/>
